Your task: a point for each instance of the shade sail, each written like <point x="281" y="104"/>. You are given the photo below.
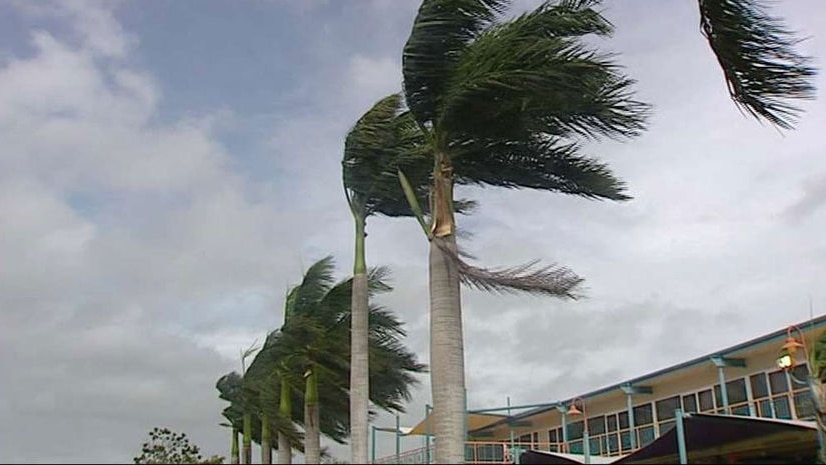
<point x="733" y="437"/>
<point x="475" y="421"/>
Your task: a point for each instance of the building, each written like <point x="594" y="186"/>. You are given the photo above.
<point x="627" y="417"/>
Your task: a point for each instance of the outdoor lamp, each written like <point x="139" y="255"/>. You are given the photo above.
<point x="786" y="360"/>
<point x="586" y="443"/>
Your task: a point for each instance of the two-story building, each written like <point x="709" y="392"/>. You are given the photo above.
<point x="622" y="419"/>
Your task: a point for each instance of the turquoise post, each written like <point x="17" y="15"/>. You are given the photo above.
<point x="678" y="415"/>
<point x="373" y="440"/>
<point x="398" y="439"/>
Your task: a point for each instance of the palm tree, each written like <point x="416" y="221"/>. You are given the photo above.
<point x="384" y="141"/>
<point x="503" y="103"/>
<point x="304" y="365"/>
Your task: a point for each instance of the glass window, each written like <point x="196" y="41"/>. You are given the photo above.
<point x="803" y="406"/>
<point x="666" y="407"/>
<point x="643" y="415"/>
<point x="759" y="386"/>
<point x="799" y="375"/>
<point x="595" y="445"/>
<point x="596" y="425"/>
<point x="718" y="396"/>
<point x="778" y="382"/>
<point x="690" y="403"/>
<point x="611" y="422"/>
<point x="622" y="417"/>
<point x="666" y="426"/>
<point x="613" y="443"/>
<point x="736" y="390"/>
<point x="764" y="408"/>
<point x="575" y="447"/>
<point x="575" y="430"/>
<point x="706" y="400"/>
<point x="535" y="437"/>
<point x="782" y="409"/>
<point x="625" y="441"/>
<point x="552" y="435"/>
<point x="646" y="435"/>
<point x="525" y="439"/>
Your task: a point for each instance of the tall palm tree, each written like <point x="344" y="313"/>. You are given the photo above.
<point x="384" y="141"/>
<point x="504" y="103"/>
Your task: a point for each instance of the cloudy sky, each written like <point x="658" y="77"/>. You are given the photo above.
<point x="167" y="170"/>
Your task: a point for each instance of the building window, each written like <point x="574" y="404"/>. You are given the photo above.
<point x="611" y="422"/>
<point x="706" y="399"/>
<point x="643" y="415"/>
<point x="575" y="431"/>
<point x="666" y="408"/>
<point x="613" y="444"/>
<point x="553" y="441"/>
<point x="622" y="418"/>
<point x="525" y="439"/>
<point x="646" y="435"/>
<point x="596" y="425"/>
<point x="759" y="386"/>
<point x="778" y="382"/>
<point x="800" y="373"/>
<point x="690" y="403"/>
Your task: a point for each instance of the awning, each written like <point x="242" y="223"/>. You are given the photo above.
<point x="475" y="421"/>
<point x="735" y="437"/>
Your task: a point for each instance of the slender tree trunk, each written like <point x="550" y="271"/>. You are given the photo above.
<point x="285" y="450"/>
<point x="312" y="433"/>
<point x="447" y="361"/>
<point x="246" y="455"/>
<point x="234" y="453"/>
<point x="266" y="440"/>
<point x="359" y="361"/>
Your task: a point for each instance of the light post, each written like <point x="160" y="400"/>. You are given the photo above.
<point x="586" y="443"/>
<point x="787" y="361"/>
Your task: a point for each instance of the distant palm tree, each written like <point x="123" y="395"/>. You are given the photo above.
<point x="305" y="363"/>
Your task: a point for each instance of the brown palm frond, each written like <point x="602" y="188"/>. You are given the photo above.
<point x="551" y="280"/>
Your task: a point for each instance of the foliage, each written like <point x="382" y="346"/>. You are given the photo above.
<point x="166" y="446"/>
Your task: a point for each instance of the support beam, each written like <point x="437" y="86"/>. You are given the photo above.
<point x="722" y="363"/>
<point x="564" y="411"/>
<point x="678" y="415"/>
<point x="629" y="391"/>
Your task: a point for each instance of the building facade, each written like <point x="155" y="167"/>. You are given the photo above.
<point x="742" y="380"/>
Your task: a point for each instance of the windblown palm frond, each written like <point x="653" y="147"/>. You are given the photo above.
<point x="546" y="164"/>
<point x="441" y="30"/>
<point x="552" y="280"/>
<point x="523" y="77"/>
<point x="756" y="53"/>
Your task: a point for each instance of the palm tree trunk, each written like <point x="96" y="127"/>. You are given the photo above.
<point x="447" y="361"/>
<point x="234" y="453"/>
<point x="247" y="452"/>
<point x="266" y="440"/>
<point x="359" y="361"/>
<point x="312" y="433"/>
<point x="285" y="450"/>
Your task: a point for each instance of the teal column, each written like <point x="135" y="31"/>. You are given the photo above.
<point x="586" y="445"/>
<point x="373" y="440"/>
<point x="427" y="410"/>
<point x="398" y="439"/>
<point x="721" y="374"/>
<point x="631" y="424"/>
<point x="510" y="427"/>
<point x="565" y="430"/>
<point x="678" y="415"/>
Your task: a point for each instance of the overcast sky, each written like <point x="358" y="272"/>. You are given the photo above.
<point x="167" y="169"/>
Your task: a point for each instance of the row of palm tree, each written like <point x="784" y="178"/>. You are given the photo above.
<point x="302" y="369"/>
<point x="508" y="103"/>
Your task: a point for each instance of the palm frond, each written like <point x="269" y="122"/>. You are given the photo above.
<point x="440" y="31"/>
<point x="552" y="280"/>
<point x="317" y="282"/>
<point x="522" y="77"/>
<point x="378" y="280"/>
<point x="540" y="163"/>
<point x="756" y="53"/>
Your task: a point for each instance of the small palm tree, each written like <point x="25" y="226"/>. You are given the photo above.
<point x="304" y="364"/>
